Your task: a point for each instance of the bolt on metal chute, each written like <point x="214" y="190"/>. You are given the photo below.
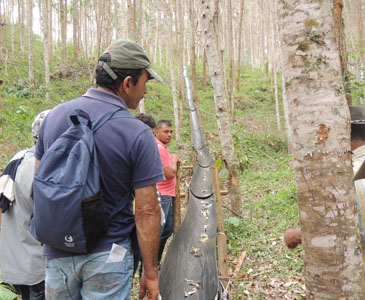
<point x="189" y="270"/>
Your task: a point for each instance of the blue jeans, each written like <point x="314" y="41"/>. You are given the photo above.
<point x="89" y="276"/>
<point x="167" y="229"/>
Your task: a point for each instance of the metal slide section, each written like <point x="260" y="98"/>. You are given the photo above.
<point x="189" y="271"/>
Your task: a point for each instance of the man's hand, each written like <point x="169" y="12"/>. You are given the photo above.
<point x="174" y="157"/>
<point x="149" y="286"/>
<point x="171" y="170"/>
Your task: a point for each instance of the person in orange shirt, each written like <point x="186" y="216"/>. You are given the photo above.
<point x="167" y="187"/>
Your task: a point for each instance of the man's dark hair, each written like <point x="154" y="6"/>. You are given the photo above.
<point x="357" y="132"/>
<point x="104" y="80"/>
<point x="147" y="119"/>
<point x="163" y="122"/>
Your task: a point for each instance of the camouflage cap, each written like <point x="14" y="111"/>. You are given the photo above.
<point x="357" y="114"/>
<point x="127" y="55"/>
<point x="37" y="123"/>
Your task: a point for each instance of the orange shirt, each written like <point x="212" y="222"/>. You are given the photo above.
<point x="166" y="187"/>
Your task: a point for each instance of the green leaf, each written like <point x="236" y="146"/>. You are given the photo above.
<point x="234" y="221"/>
<point x="218" y="164"/>
<point x="223" y="173"/>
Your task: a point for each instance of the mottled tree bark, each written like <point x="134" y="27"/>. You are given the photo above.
<point x="170" y="50"/>
<point x="132" y="30"/>
<point x="341" y="43"/>
<point x="30" y="40"/>
<point x="50" y="29"/>
<point x="229" y="35"/>
<point x="319" y="120"/>
<point x="21" y="13"/>
<point x="180" y="58"/>
<point x="193" y="56"/>
<point x="360" y="29"/>
<point x="75" y="28"/>
<point x="46" y="47"/>
<point x="208" y="17"/>
<point x="239" y="42"/>
<point x="63" y="20"/>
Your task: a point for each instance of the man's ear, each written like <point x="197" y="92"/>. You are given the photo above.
<point x="127" y="84"/>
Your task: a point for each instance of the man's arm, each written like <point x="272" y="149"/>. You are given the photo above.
<point x="147" y="216"/>
<point x="171" y="170"/>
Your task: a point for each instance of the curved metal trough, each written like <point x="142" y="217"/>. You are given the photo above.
<point x="189" y="270"/>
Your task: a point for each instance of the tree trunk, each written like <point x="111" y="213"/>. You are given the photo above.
<point x="142" y="107"/>
<point x="2" y="24"/>
<point x="340" y="38"/>
<point x="109" y="28"/>
<point x="204" y="79"/>
<point x="63" y="20"/>
<point x="209" y="14"/>
<point x="30" y="40"/>
<point x="252" y="57"/>
<point x="180" y="55"/>
<point x="86" y="29"/>
<point x="239" y="42"/>
<point x="360" y="30"/>
<point x="229" y="31"/>
<point x="132" y="30"/>
<point x="99" y="25"/>
<point x="46" y="47"/>
<point x="50" y="29"/>
<point x="170" y="53"/>
<point x="117" y="23"/>
<point x="193" y="56"/>
<point x="21" y="13"/>
<point x="75" y="28"/>
<point x="274" y="58"/>
<point x="319" y="119"/>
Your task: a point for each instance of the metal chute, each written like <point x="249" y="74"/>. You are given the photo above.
<point x="189" y="270"/>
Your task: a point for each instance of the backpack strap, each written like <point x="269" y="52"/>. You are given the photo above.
<point x="70" y="107"/>
<point x="71" y="111"/>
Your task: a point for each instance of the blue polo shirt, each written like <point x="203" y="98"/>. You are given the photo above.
<point x="127" y="154"/>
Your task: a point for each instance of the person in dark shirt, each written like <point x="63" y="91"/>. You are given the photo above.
<point x="130" y="167"/>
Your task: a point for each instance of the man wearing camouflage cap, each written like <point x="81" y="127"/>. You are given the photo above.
<point x="129" y="165"/>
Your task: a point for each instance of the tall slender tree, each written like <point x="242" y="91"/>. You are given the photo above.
<point x="180" y="59"/>
<point x="239" y="42"/>
<point x="50" y="28"/>
<point x="209" y="23"/>
<point x="360" y="29"/>
<point x="229" y="40"/>
<point x="132" y="28"/>
<point x="21" y="13"/>
<point x="63" y="21"/>
<point x="30" y="40"/>
<point x="45" y="13"/>
<point x="170" y="49"/>
<point x="75" y="28"/>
